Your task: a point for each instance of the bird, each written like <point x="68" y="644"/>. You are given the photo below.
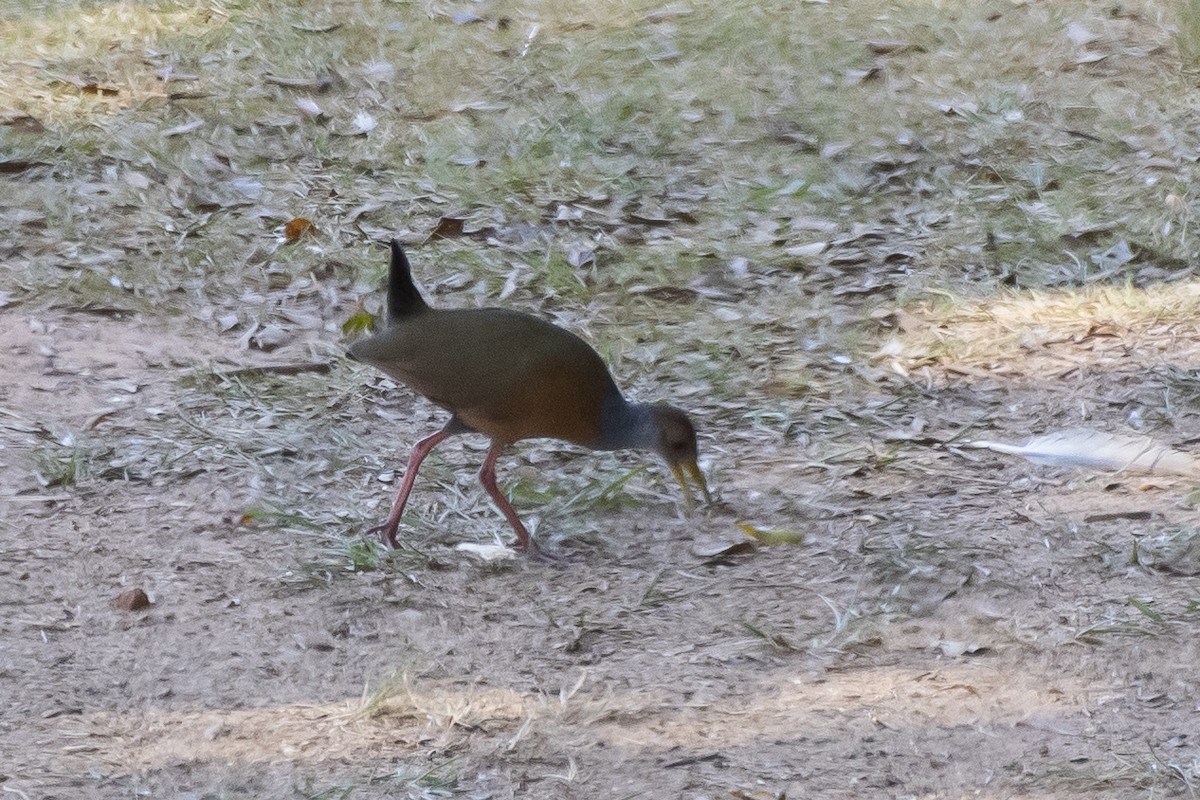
<point x="510" y="375"/>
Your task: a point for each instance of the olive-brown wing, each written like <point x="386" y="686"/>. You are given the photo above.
<point x="506" y="374"/>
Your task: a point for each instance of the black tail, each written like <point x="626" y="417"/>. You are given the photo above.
<point x="403" y="299"/>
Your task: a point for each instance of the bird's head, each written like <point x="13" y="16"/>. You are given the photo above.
<point x="677" y="444"/>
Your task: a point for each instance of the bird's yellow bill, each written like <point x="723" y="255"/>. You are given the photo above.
<point x="682" y="473"/>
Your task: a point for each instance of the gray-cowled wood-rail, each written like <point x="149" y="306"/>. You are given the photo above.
<point x="512" y="376"/>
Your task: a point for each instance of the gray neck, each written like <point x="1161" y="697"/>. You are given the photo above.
<point x="625" y="425"/>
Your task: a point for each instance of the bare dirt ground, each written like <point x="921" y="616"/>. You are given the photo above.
<point x="932" y="621"/>
<point x="949" y="627"/>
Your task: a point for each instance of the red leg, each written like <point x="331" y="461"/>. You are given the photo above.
<point x="487" y="476"/>
<point x="422" y="448"/>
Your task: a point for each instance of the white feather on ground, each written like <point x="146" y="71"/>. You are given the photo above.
<point x="1080" y="447"/>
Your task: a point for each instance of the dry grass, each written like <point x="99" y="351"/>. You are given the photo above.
<point x="1016" y="331"/>
<point x="535" y="109"/>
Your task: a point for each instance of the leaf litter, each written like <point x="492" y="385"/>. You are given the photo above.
<point x="844" y="304"/>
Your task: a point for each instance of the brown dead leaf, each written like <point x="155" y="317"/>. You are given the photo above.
<point x="14" y="165"/>
<point x="296" y="368"/>
<point x="23" y="123"/>
<point x="99" y="90"/>
<point x="328" y="28"/>
<point x="447" y="228"/>
<point x="651" y="215"/>
<point x="885" y="47"/>
<point x="451" y="227"/>
<point x="719" y="549"/>
<point x="628" y="235"/>
<point x="131" y="600"/>
<point x="670" y="294"/>
<point x="321" y="83"/>
<point x="99" y="416"/>
<point x="297" y="228"/>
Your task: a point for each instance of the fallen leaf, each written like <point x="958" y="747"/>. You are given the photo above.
<point x="810" y="250"/>
<point x="379" y="72"/>
<point x="358" y="211"/>
<point x="1137" y="516"/>
<point x="1118" y="255"/>
<point x="309" y="108"/>
<point x="308" y="320"/>
<point x="23" y="123"/>
<point x="180" y="130"/>
<point x="360" y="322"/>
<point x="99" y="416"/>
<point x="328" y="28"/>
<point x="853" y="77"/>
<point x="479" y="105"/>
<point x="580" y="255"/>
<point x="718" y="548"/>
<point x="771" y="537"/>
<point x="1081" y="447"/>
<point x="954" y="649"/>
<point x="270" y="337"/>
<point x="649" y="215"/>
<point x="488" y="552"/>
<point x="97" y="89"/>
<point x="14" y="165"/>
<point x="137" y="180"/>
<point x="1080" y="35"/>
<point x="835" y="149"/>
<point x="297" y="228"/>
<point x="321" y="83"/>
<point x="447" y="228"/>
<point x="362" y="124"/>
<point x="131" y="600"/>
<point x="671" y="294"/>
<point x="889" y="46"/>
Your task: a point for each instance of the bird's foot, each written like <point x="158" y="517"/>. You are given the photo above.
<point x="387" y="533"/>
<point x="534" y="553"/>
